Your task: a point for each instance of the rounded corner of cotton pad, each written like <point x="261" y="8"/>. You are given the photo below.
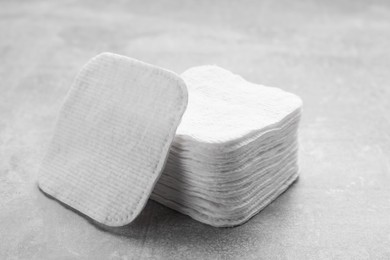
<point x="113" y="218"/>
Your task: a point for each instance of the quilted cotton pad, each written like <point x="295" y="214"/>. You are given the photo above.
<point x="112" y="138"/>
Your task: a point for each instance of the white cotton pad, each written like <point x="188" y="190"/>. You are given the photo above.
<point x="225" y="109"/>
<point x="235" y="151"/>
<point x="112" y="138"/>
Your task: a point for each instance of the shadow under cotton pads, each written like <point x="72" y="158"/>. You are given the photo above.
<point x="112" y="138"/>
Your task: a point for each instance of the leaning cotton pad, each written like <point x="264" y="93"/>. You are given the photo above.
<point x="112" y="138"/>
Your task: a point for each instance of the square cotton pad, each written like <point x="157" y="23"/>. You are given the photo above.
<point x="112" y="138"/>
<point x="235" y="150"/>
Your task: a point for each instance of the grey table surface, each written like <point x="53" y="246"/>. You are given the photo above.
<point x="334" y="54"/>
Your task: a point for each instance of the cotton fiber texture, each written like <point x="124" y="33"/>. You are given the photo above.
<point x="112" y="138"/>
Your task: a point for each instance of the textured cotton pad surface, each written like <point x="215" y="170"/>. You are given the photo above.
<point x="112" y="138"/>
<point x="225" y="107"/>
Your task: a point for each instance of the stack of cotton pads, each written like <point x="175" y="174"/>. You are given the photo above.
<point x="235" y="150"/>
<point x="207" y="143"/>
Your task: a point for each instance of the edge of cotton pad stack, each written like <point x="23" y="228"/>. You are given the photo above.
<point x="208" y="189"/>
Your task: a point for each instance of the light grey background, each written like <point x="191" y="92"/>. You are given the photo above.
<point x="334" y="54"/>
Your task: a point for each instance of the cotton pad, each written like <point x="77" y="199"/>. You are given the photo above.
<point x="112" y="138"/>
<point x="235" y="150"/>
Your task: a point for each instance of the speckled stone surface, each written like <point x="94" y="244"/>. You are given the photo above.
<point x="334" y="54"/>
